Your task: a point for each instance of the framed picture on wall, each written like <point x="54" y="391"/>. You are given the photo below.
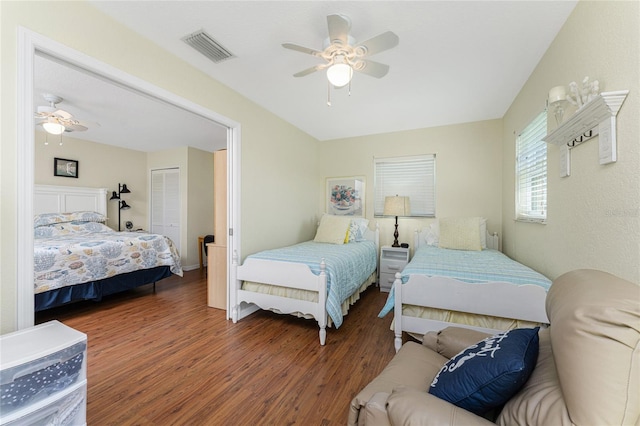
<point x="65" y="168"/>
<point x="345" y="196"/>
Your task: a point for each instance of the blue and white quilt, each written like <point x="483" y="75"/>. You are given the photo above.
<point x="80" y="251"/>
<point x="468" y="266"/>
<point x="347" y="267"/>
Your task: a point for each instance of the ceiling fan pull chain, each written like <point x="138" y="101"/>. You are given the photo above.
<point x="328" y="94"/>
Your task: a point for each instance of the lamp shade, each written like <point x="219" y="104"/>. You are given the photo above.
<point x="124" y="189"/>
<point x="396" y="206"/>
<point x="339" y="74"/>
<point x="114" y="196"/>
<point x="124" y="205"/>
<point x="53" y="127"/>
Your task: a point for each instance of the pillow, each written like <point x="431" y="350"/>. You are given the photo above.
<point x="460" y="233"/>
<point x="67" y="228"/>
<point x="332" y="229"/>
<point x="433" y="234"/>
<point x="82" y="216"/>
<point x="486" y="375"/>
<point x="357" y="229"/>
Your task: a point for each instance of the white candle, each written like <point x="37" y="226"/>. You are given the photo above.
<point x="557" y="94"/>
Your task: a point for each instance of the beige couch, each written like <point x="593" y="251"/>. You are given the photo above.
<point x="587" y="371"/>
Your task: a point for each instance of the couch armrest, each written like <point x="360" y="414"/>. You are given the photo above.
<point x="375" y="411"/>
<point x="451" y="341"/>
<point x="406" y="406"/>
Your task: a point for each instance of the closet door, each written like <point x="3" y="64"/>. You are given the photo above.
<point x="165" y="204"/>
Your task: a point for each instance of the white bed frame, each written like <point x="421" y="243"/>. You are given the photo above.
<point x="284" y="274"/>
<point x="65" y="199"/>
<point x="500" y="299"/>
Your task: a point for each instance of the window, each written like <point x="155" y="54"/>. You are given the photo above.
<point x="414" y="177"/>
<point x="531" y="171"/>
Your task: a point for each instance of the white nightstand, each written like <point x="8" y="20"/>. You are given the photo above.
<point x="392" y="260"/>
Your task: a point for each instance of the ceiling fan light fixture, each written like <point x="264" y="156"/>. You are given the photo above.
<point x="339" y="75"/>
<point x="53" y="127"/>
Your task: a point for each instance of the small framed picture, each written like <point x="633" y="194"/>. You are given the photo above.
<point x="345" y="196"/>
<point x="65" y="168"/>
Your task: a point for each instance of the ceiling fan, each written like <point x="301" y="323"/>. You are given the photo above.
<point x="56" y="121"/>
<point x="343" y="56"/>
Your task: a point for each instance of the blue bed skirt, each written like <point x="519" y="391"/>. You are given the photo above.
<point x="95" y="290"/>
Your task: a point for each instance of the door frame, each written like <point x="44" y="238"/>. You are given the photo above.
<point x="29" y="43"/>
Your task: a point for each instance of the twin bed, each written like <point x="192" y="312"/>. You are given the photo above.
<point x="316" y="279"/>
<point x="464" y="283"/>
<point x="77" y="257"/>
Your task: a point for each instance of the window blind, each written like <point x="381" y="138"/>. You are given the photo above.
<point x="531" y="171"/>
<point x="411" y="176"/>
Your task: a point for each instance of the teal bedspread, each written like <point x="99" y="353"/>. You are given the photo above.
<point x="468" y="266"/>
<point x="347" y="267"/>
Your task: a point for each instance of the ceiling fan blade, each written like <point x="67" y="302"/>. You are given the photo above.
<point x="302" y="49"/>
<point x="310" y="70"/>
<point x="339" y="27"/>
<point x="377" y="44"/>
<point x="374" y="69"/>
<point x="62" y="113"/>
<point x="75" y="127"/>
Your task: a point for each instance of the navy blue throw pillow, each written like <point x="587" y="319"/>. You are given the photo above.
<point x="489" y="373"/>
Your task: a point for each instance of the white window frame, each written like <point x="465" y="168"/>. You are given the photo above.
<point x="412" y="176"/>
<point x="531" y="171"/>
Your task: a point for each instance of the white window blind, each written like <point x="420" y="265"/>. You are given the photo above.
<point x="412" y="176"/>
<point x="531" y="171"/>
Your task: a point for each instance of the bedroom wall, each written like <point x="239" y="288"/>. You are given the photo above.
<point x="594" y="214"/>
<point x="468" y="171"/>
<point x="279" y="169"/>
<point x="99" y="166"/>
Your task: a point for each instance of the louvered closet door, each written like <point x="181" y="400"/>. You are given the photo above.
<point x="165" y="204"/>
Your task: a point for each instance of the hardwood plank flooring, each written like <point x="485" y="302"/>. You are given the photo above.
<point x="166" y="358"/>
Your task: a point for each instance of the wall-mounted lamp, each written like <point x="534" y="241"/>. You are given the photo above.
<point x="396" y="206"/>
<point x="557" y="99"/>
<point x="122" y="205"/>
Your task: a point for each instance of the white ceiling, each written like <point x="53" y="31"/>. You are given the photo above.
<point x="457" y="61"/>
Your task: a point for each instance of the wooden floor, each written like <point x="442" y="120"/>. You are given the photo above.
<point x="168" y="359"/>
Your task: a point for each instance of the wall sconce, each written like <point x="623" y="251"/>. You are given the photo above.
<point x="396" y="206"/>
<point x="557" y="99"/>
<point x="122" y="205"/>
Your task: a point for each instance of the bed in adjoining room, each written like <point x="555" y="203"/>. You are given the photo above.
<point x="316" y="279"/>
<point x="458" y="276"/>
<point x="77" y="257"/>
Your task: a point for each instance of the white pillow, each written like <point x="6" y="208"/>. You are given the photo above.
<point x="357" y="229"/>
<point x="460" y="233"/>
<point x="433" y="234"/>
<point x="332" y="229"/>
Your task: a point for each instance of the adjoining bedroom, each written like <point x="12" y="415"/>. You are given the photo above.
<point x="320" y="212"/>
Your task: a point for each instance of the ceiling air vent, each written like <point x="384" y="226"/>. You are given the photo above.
<point x="206" y="45"/>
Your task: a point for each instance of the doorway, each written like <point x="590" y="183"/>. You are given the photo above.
<point x="31" y="43"/>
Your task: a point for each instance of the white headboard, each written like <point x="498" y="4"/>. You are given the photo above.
<point x="66" y="199"/>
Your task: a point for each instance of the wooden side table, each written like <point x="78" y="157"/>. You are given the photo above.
<point x="200" y="245"/>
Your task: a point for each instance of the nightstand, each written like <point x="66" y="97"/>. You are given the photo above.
<point x="392" y="260"/>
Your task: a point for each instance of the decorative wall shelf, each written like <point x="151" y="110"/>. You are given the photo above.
<point x="596" y="117"/>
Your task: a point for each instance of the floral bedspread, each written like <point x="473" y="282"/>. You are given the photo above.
<point x="77" y="252"/>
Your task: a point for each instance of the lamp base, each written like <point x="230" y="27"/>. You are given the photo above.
<point x="395" y="235"/>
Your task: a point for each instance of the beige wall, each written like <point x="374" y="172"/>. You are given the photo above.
<point x="99" y="166"/>
<point x="468" y="170"/>
<point x="593" y="215"/>
<point x="279" y="162"/>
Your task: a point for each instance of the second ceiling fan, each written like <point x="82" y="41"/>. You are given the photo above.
<point x="343" y="56"/>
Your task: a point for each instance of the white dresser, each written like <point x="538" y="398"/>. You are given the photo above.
<point x="43" y="376"/>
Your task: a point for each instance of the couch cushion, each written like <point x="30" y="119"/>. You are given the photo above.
<point x="595" y="336"/>
<point x="540" y="400"/>
<point x="414" y="365"/>
<point x="487" y="374"/>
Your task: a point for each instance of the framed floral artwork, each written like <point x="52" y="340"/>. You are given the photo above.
<point x="345" y="196"/>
